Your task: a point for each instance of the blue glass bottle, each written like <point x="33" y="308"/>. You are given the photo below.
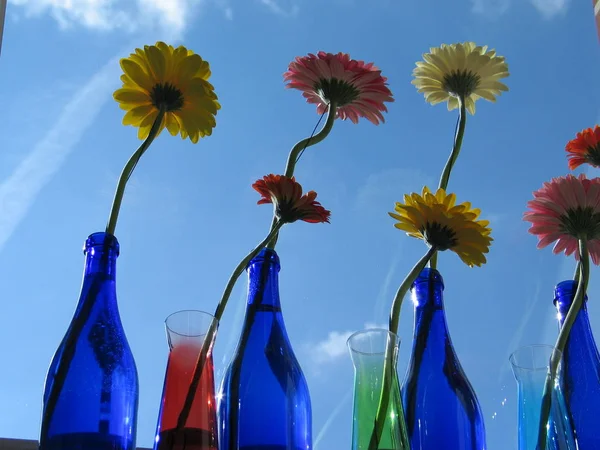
<point x="264" y="402"/>
<point x="441" y="409"/>
<point x="91" y="391"/>
<point x="581" y="370"/>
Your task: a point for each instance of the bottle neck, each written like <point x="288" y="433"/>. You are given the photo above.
<point x="263" y="281"/>
<point x="101" y="260"/>
<point x="428" y="298"/>
<point x="98" y="289"/>
<point x="564" y="295"/>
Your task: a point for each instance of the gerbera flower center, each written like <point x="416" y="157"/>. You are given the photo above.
<point x="581" y="223"/>
<point x="285" y="211"/>
<point x="593" y="155"/>
<point x="461" y="83"/>
<point x="332" y="89"/>
<point x="439" y="236"/>
<point x="167" y="95"/>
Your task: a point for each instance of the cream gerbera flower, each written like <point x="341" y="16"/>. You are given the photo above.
<point x="460" y="71"/>
<point x="441" y="223"/>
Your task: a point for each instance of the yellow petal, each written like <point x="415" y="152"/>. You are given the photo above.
<point x="136" y="115"/>
<point x="136" y="73"/>
<point x="132" y="96"/>
<point x="156" y="62"/>
<point x="172" y="124"/>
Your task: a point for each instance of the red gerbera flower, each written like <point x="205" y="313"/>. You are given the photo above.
<point x="290" y="205"/>
<point x="585" y="148"/>
<point x="358" y="89"/>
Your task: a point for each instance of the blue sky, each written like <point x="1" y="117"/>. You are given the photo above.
<point x="189" y="214"/>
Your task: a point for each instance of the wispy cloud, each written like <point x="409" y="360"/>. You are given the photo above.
<point x="334" y="345"/>
<point x="105" y="15"/>
<point x="384" y="295"/>
<point x="19" y="191"/>
<point x="517" y="337"/>
<point x="383" y="189"/>
<point x="551" y="8"/>
<point x="336" y="411"/>
<point x="495" y="8"/>
<point x="276" y="6"/>
<point x="490" y="8"/>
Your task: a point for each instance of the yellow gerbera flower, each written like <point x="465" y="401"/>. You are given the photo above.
<point x="463" y="71"/>
<point x="175" y="79"/>
<point x="441" y="223"/>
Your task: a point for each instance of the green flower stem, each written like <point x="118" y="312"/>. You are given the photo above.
<point x="388" y="365"/>
<point x="128" y="170"/>
<point x="458" y="138"/>
<point x="311" y="140"/>
<point x="405" y="286"/>
<point x="189" y="400"/>
<point x="433" y="261"/>
<point x="297" y="151"/>
<point x="561" y="342"/>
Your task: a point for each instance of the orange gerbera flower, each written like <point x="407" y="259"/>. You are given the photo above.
<point x="585" y="148"/>
<point x="290" y="205"/>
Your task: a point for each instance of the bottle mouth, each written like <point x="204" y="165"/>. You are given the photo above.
<point x="101" y="239"/>
<point x="265" y="255"/>
<point x="565" y="291"/>
<point x="428" y="275"/>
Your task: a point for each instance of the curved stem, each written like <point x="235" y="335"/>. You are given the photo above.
<point x="189" y="399"/>
<point x="458" y="138"/>
<point x="388" y="365"/>
<point x="311" y="140"/>
<point x="561" y="342"/>
<point x="405" y="286"/>
<point x="433" y="261"/>
<point x="128" y="170"/>
<point x="297" y="151"/>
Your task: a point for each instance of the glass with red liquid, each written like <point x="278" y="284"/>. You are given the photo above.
<point x="186" y="331"/>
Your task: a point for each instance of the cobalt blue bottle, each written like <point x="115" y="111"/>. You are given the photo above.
<point x="441" y="409"/>
<point x="264" y="402"/>
<point x="580" y="370"/>
<point x="91" y="391"/>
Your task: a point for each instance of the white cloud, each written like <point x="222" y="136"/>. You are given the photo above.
<point x="291" y="9"/>
<point x="19" y="191"/>
<point x="127" y="15"/>
<point x="490" y="8"/>
<point x="551" y="8"/>
<point x="334" y="346"/>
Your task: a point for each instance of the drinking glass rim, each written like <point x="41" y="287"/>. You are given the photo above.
<point x="512" y="361"/>
<point x="368" y="330"/>
<point x="203" y="313"/>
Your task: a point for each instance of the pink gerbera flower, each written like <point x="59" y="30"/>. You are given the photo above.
<point x="357" y="89"/>
<point x="565" y="210"/>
